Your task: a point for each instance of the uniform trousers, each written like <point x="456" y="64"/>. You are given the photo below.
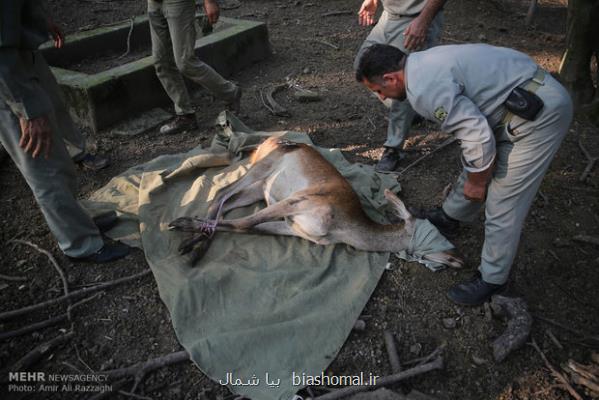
<point x="173" y="34"/>
<point x="524" y="150"/>
<point x="53" y="180"/>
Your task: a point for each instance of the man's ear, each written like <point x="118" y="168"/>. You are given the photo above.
<point x="389" y="78"/>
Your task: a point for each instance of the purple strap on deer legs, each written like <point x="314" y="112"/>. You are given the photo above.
<point x="209" y="227"/>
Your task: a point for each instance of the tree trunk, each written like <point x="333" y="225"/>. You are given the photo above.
<point x="582" y="38"/>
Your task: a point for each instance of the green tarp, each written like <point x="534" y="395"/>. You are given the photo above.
<point x="253" y="304"/>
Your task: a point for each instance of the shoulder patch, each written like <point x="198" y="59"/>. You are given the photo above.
<point x="440" y="113"/>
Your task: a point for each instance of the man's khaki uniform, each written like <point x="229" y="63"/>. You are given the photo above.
<point x="396" y="17"/>
<point x="463" y="87"/>
<point x="28" y="90"/>
<point x="172" y="27"/>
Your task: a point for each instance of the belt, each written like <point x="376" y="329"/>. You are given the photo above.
<point x="532" y="86"/>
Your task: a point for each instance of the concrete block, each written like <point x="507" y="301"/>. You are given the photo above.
<point x="101" y="99"/>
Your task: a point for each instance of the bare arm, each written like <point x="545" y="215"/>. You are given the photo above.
<point x="367" y="11"/>
<point x="415" y="33"/>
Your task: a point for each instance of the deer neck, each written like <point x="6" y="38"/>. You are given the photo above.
<point x="372" y="236"/>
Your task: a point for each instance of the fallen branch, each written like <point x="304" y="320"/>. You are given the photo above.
<point x="559" y="376"/>
<point x="446" y="143"/>
<point x="590" y="164"/>
<point x="384" y="381"/>
<point x="77" y="293"/>
<point x="518" y="327"/>
<point x="44" y="324"/>
<point x="39" y="352"/>
<point x="139" y="370"/>
<point x="132" y="19"/>
<point x="336" y="13"/>
<point x="63" y="277"/>
<point x="392" y="352"/>
<point x="275" y="108"/>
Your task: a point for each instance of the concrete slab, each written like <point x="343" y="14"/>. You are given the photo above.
<point x="101" y="99"/>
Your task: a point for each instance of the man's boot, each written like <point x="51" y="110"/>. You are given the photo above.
<point x="446" y="225"/>
<point x="474" y="292"/>
<point x="186" y="122"/>
<point x="389" y="160"/>
<point x="93" y="162"/>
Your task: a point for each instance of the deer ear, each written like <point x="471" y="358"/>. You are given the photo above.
<point x="399" y="207"/>
<point x="449" y="258"/>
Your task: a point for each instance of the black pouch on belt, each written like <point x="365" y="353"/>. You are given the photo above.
<point x="524" y="104"/>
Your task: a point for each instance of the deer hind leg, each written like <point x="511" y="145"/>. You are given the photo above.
<point x="257" y="173"/>
<point x="244" y="197"/>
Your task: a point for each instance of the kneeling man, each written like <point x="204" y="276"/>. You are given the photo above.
<point x="510" y="117"/>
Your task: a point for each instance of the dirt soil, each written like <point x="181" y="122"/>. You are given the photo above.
<point x="556" y="275"/>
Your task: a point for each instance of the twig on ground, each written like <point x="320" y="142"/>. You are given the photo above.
<point x="39" y="352"/>
<point x="544" y="197"/>
<point x="446" y="143"/>
<point x="126" y="53"/>
<point x="133" y="395"/>
<point x="590" y="164"/>
<point x="580" y="334"/>
<point x="532" y="11"/>
<point x="384" y="381"/>
<point x="12" y="278"/>
<point x="63" y="277"/>
<point x="336" y="13"/>
<point x="331" y="45"/>
<point x="554" y="339"/>
<point x="44" y="324"/>
<point x="553" y="254"/>
<point x="81" y="360"/>
<point x="139" y="370"/>
<point x="558" y="375"/>
<point x="77" y="293"/>
<point x="71" y="366"/>
<point x="446" y="191"/>
<point x="587" y="239"/>
<point x="421" y="360"/>
<point x="392" y="352"/>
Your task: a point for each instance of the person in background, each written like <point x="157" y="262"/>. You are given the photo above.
<point x="409" y="25"/>
<point x="172" y="28"/>
<point x="31" y="132"/>
<point x="510" y="117"/>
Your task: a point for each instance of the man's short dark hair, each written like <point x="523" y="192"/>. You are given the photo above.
<point x="378" y="60"/>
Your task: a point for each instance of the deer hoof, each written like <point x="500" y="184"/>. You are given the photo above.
<point x="188" y="245"/>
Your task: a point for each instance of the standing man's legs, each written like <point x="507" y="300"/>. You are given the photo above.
<point x="172" y="26"/>
<point x="53" y="184"/>
<point x="390" y="31"/>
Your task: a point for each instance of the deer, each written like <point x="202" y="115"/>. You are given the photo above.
<point x="306" y="197"/>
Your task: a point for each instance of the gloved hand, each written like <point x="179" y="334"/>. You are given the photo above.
<point x="475" y="187"/>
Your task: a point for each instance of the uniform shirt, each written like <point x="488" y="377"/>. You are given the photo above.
<point x="403" y="7"/>
<point x="23" y="27"/>
<point x="463" y="87"/>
